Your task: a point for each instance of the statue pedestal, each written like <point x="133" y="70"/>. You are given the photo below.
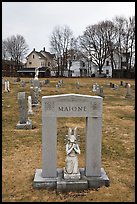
<point x="71" y="176"/>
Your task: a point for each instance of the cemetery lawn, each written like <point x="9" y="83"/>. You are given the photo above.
<point x="22" y="149"/>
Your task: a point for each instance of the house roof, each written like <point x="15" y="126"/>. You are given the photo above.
<point x="42" y="54"/>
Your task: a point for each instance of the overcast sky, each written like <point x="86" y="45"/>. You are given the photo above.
<point x="35" y="21"/>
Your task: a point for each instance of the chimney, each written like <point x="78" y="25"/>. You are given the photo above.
<point x="44" y="49"/>
<point x="33" y="49"/>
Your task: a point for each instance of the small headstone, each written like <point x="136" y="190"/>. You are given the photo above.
<point x="47" y="82"/>
<point x="115" y="87"/>
<point x="121" y="83"/>
<point x="30" y="111"/>
<point x="22" y="83"/>
<point x="3" y="81"/>
<point x="57" y="87"/>
<point x="111" y="85"/>
<point x="7" y="86"/>
<point x="18" y="79"/>
<point x="101" y="92"/>
<point x="94" y="88"/>
<point x="24" y="122"/>
<point x="77" y="84"/>
<point x="128" y="94"/>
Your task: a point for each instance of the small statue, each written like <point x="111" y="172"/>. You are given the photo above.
<point x="36" y="72"/>
<point x="72" y="150"/>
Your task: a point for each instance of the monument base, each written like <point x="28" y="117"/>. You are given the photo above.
<point x="25" y="126"/>
<point x="128" y="96"/>
<point x="64" y="185"/>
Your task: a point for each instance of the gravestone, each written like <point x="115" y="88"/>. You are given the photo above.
<point x="36" y="83"/>
<point x="31" y="82"/>
<point x="121" y="83"/>
<point x="22" y="83"/>
<point x="34" y="93"/>
<point x="77" y="84"/>
<point x="30" y="111"/>
<point x="57" y="87"/>
<point x="7" y="86"/>
<point x="92" y="175"/>
<point x="94" y="88"/>
<point x="3" y="81"/>
<point x="18" y="79"/>
<point x="24" y="121"/>
<point x="47" y="82"/>
<point x="128" y="94"/>
<point x="101" y="93"/>
<point x="111" y="85"/>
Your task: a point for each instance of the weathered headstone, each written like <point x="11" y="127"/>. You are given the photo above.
<point x="47" y="82"/>
<point x="22" y="83"/>
<point x="71" y="105"/>
<point x="3" y="81"/>
<point x="111" y="85"/>
<point x="7" y="86"/>
<point x="128" y="94"/>
<point x="94" y="88"/>
<point x="18" y="79"/>
<point x="24" y="121"/>
<point x="30" y="111"/>
<point x="77" y="84"/>
<point x="115" y="87"/>
<point x="34" y="93"/>
<point x="101" y="93"/>
<point x="121" y="83"/>
<point x="57" y="87"/>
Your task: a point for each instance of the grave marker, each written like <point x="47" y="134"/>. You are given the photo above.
<point x="71" y="105"/>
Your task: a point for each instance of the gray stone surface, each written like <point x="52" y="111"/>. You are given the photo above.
<point x="63" y="185"/>
<point x="24" y="122"/>
<point x="101" y="93"/>
<point x="22" y="108"/>
<point x="34" y="92"/>
<point x="128" y="94"/>
<point x="71" y="105"/>
<point x="26" y="126"/>
<point x="36" y="83"/>
<point x="30" y="111"/>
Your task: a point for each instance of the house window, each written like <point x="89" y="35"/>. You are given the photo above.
<point x="107" y="63"/>
<point x="30" y="62"/>
<point x="33" y="56"/>
<point x="107" y="71"/>
<point x="74" y="57"/>
<point x="48" y="63"/>
<point x="42" y="64"/>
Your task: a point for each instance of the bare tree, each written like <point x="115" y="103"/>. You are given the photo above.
<point x="15" y="47"/>
<point x="129" y="40"/>
<point x="126" y="38"/>
<point x="96" y="42"/>
<point x="60" y="42"/>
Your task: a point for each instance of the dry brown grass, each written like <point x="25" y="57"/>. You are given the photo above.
<point x="22" y="155"/>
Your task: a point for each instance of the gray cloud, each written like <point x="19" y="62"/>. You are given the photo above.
<point x="36" y="20"/>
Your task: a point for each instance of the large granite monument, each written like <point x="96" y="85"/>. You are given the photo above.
<point x="92" y="175"/>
